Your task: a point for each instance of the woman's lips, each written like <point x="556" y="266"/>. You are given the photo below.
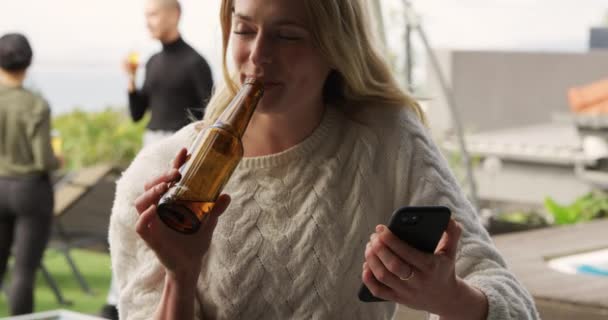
<point x="267" y="83"/>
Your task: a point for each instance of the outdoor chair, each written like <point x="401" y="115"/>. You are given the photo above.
<point x="69" y="190"/>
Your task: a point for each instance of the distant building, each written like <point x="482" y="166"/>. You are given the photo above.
<point x="598" y="38"/>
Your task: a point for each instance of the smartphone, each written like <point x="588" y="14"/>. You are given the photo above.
<point x="419" y="227"/>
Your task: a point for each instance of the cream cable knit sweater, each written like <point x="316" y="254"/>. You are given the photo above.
<point x="291" y="244"/>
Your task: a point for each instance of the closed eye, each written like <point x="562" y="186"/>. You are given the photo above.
<point x="288" y="38"/>
<point x="242" y="29"/>
<point x="243" y="33"/>
<point x="290" y="35"/>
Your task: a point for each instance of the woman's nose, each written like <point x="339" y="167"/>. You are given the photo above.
<point x="262" y="51"/>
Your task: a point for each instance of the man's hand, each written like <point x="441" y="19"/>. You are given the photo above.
<point x="130" y="66"/>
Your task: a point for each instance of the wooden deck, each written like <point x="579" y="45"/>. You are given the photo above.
<point x="559" y="295"/>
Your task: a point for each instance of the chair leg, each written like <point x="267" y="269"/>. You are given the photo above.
<point x="76" y="272"/>
<point x="65" y="249"/>
<point x="53" y="284"/>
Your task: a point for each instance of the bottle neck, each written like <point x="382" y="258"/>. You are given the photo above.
<point x="237" y="115"/>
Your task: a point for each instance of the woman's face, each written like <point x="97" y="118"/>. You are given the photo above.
<point x="271" y="41"/>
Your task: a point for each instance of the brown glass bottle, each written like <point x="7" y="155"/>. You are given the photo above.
<point x="215" y="153"/>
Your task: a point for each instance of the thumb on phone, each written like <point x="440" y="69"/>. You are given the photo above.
<point x="448" y="244"/>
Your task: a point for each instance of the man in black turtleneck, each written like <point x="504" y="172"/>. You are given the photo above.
<point x="178" y="79"/>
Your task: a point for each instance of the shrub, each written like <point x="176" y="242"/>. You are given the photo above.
<point x="92" y="137"/>
<point x="590" y="206"/>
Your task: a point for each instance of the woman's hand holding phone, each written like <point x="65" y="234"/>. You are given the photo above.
<point x="396" y="271"/>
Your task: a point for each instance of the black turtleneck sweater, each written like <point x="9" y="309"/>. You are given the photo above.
<point x="178" y="79"/>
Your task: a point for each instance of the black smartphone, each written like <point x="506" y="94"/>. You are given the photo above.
<point x="420" y="227"/>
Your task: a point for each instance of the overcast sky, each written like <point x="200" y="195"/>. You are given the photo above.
<point x="100" y="32"/>
<point x="512" y="24"/>
<point x="79" y="44"/>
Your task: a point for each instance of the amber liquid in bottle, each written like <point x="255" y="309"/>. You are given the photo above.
<point x="215" y="153"/>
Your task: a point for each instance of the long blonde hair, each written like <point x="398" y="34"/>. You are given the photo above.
<point x="360" y="76"/>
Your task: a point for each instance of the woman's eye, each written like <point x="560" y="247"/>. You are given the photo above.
<point x="289" y="36"/>
<point x="243" y="32"/>
<point x="242" y="29"/>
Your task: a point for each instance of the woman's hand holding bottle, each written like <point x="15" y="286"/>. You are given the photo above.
<point x="180" y="254"/>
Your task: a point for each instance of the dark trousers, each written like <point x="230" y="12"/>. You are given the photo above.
<point x="26" y="213"/>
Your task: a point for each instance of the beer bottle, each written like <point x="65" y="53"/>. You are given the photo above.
<point x="215" y="153"/>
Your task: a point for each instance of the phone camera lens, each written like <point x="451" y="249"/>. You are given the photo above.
<point x="410" y="219"/>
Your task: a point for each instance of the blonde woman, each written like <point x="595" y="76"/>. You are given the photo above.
<point x="333" y="148"/>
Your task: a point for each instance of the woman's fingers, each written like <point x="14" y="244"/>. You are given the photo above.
<point x="221" y="204"/>
<point x="398" y="272"/>
<point x="390" y="260"/>
<point x="377" y="288"/>
<point x="168" y="177"/>
<point x="155" y="188"/>
<point x="449" y="240"/>
<point x="382" y="274"/>
<point x="416" y="258"/>
<point x="150" y="197"/>
<point x="145" y="225"/>
<point x="180" y="158"/>
<point x="172" y="175"/>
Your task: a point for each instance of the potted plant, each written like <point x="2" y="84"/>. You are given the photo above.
<point x="515" y="221"/>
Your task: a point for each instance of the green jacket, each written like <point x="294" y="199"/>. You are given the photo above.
<point x="25" y="134"/>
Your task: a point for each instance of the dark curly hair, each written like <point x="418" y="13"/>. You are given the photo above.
<point x="15" y="52"/>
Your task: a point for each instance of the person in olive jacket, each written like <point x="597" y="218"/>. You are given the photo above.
<point x="26" y="159"/>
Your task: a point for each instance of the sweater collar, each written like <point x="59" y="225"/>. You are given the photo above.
<point x="329" y="124"/>
<point x="4" y="87"/>
<point x="174" y="45"/>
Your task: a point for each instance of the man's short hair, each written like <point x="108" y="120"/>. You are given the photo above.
<point x="15" y="52"/>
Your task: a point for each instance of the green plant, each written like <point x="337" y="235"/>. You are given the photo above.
<point x="590" y="206"/>
<point x="93" y="137"/>
<point x="530" y="218"/>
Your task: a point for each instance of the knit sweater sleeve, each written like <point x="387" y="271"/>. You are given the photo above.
<point x="139" y="274"/>
<point x="429" y="181"/>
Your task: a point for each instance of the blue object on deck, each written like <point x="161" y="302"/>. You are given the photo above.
<point x="592" y="270"/>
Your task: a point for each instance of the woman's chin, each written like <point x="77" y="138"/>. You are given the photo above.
<point x="269" y="104"/>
